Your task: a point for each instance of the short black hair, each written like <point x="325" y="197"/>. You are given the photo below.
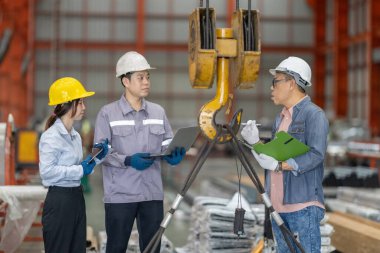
<point x="126" y="75"/>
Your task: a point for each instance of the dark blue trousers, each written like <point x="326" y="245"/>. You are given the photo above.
<point x="119" y="222"/>
<point x="64" y="220"/>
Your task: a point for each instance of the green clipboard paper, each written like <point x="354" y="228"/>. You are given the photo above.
<point x="282" y="147"/>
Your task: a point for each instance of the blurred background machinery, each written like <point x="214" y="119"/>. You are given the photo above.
<point x="42" y="40"/>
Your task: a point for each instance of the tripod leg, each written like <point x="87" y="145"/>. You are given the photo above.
<point x="255" y="179"/>
<point x="205" y="150"/>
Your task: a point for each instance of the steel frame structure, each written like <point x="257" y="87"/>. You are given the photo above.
<point x="20" y="17"/>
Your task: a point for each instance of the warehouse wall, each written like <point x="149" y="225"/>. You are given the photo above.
<point x="285" y="25"/>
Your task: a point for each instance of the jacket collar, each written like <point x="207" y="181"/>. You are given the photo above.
<point x="126" y="106"/>
<point x="297" y="107"/>
<point x="62" y="129"/>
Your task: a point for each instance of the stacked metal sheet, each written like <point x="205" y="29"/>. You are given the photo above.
<point x="363" y="197"/>
<point x="326" y="232"/>
<point x="212" y="223"/>
<point x="361" y="202"/>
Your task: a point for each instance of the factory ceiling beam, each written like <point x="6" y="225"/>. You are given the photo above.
<point x="116" y="46"/>
<point x="157" y="16"/>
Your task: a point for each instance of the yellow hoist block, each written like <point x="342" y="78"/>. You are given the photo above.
<point x="202" y="61"/>
<point x="245" y="67"/>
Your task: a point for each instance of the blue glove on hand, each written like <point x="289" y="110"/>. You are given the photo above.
<point x="88" y="167"/>
<point x="104" y="146"/>
<point x="139" y="161"/>
<point x="176" y="156"/>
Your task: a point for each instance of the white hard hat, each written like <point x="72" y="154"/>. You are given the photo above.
<point x="297" y="68"/>
<point x="131" y="62"/>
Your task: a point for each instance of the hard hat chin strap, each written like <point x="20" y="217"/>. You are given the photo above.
<point x="299" y="80"/>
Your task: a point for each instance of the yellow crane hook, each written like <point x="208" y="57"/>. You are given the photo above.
<point x="227" y="54"/>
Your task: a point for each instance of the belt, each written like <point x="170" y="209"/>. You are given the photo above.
<point x="65" y="189"/>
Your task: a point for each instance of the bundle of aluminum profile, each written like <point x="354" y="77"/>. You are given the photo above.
<point x="212" y="227"/>
<point x="326" y="233"/>
<point x="362" y="197"/>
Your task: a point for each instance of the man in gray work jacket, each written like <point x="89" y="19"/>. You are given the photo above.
<point x="295" y="185"/>
<point x="132" y="180"/>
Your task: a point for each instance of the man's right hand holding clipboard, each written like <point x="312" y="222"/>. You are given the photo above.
<point x="271" y="155"/>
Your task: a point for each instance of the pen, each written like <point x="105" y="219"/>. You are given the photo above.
<point x="245" y="143"/>
<point x="245" y="123"/>
<point x="96" y="153"/>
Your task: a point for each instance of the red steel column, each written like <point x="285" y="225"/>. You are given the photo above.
<point x="230" y="9"/>
<point x="30" y="74"/>
<point x="320" y="53"/>
<point x="340" y="58"/>
<point x="140" y="27"/>
<point x="374" y="67"/>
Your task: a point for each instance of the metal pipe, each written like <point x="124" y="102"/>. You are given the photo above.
<point x="249" y="47"/>
<point x="207" y="25"/>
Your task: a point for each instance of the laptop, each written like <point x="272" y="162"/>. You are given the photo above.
<point x="184" y="137"/>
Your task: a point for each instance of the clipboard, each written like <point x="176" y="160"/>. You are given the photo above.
<point x="282" y="147"/>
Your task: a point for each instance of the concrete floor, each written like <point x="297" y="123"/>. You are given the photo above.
<point x="174" y="178"/>
<point x="217" y="166"/>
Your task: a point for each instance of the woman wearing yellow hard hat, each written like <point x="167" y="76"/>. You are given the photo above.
<point x="62" y="167"/>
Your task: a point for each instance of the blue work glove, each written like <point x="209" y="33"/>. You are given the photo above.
<point x="88" y="167"/>
<point x="104" y="146"/>
<point x="176" y="156"/>
<point x="139" y="161"/>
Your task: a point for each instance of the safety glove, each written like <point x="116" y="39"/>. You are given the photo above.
<point x="250" y="133"/>
<point x="104" y="146"/>
<point x="176" y="156"/>
<point x="139" y="161"/>
<point x="265" y="161"/>
<point x="88" y="166"/>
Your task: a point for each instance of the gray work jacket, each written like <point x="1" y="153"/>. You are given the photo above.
<point x="131" y="132"/>
<point x="310" y="126"/>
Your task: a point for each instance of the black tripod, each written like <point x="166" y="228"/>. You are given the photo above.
<point x="203" y="154"/>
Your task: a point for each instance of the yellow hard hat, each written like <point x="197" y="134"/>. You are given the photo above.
<point x="67" y="89"/>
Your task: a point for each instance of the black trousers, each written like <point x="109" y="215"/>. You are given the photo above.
<point x="119" y="223"/>
<point x="64" y="220"/>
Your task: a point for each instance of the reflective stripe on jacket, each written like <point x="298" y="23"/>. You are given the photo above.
<point x="131" y="132"/>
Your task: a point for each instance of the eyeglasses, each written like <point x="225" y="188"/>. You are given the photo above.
<point x="276" y="81"/>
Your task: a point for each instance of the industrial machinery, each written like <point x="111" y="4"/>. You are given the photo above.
<point x="233" y="55"/>
<point x="18" y="153"/>
<point x="7" y="152"/>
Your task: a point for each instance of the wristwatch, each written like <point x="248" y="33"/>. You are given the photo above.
<point x="279" y="167"/>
